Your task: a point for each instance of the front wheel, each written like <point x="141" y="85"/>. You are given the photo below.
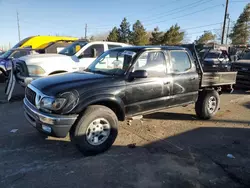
<point x="95" y="131"/>
<point x="207" y="104"/>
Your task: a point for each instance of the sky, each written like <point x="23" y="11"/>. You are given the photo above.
<point x="68" y="17"/>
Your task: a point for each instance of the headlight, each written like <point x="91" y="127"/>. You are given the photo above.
<point x="35" y="70"/>
<point x="52" y="104"/>
<point x="63" y="104"/>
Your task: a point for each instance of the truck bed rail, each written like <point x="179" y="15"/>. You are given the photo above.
<point x="210" y="79"/>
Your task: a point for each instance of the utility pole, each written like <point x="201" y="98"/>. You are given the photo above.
<point x="224" y="23"/>
<point x="228" y="25"/>
<point x="86" y="30"/>
<point x="18" y="26"/>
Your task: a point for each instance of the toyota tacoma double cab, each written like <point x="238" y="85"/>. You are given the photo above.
<point x="139" y="80"/>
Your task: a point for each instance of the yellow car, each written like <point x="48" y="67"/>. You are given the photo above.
<point x="38" y="42"/>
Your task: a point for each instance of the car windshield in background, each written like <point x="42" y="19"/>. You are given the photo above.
<point x="212" y="55"/>
<point x="246" y="56"/>
<point x="6" y="54"/>
<point x="73" y="48"/>
<point x="113" y="62"/>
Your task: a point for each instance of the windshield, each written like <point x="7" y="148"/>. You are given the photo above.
<point x="213" y="55"/>
<point x="113" y="62"/>
<point x="6" y="54"/>
<point x="73" y="48"/>
<point x="246" y="56"/>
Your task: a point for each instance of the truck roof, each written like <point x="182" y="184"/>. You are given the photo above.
<point x="139" y="48"/>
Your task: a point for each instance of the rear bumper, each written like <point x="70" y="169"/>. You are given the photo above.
<point x="49" y="124"/>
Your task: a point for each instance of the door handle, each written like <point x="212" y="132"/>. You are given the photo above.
<point x="192" y="78"/>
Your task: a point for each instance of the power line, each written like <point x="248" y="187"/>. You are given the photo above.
<point x="186" y="14"/>
<point x="211" y="30"/>
<point x="201" y="26"/>
<point x="181" y="9"/>
<point x="160" y="15"/>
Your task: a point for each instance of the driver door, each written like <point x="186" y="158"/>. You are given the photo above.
<point x="87" y="57"/>
<point x="151" y="93"/>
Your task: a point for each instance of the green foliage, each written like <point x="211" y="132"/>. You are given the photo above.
<point x="124" y="31"/>
<point x="206" y="37"/>
<point x="241" y="31"/>
<point x="173" y="36"/>
<point x="157" y="37"/>
<point x="139" y="34"/>
<point x="113" y="35"/>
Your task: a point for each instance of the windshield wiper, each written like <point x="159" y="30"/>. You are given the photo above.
<point x="99" y="72"/>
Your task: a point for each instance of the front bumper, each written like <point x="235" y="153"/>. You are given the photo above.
<point x="50" y="124"/>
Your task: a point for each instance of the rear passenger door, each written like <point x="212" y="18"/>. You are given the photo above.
<point x="185" y="77"/>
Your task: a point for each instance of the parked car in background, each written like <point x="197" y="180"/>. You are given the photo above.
<point x="78" y="55"/>
<point x="242" y="66"/>
<point x="215" y="60"/>
<point x="37" y="42"/>
<point x="14" y="53"/>
<point x="138" y="80"/>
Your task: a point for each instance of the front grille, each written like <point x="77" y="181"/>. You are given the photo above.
<point x="30" y="95"/>
<point x="21" y="68"/>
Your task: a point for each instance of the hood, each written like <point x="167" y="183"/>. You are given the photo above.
<point x="38" y="58"/>
<point x="52" y="85"/>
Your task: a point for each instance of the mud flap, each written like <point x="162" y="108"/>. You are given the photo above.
<point x="10" y="85"/>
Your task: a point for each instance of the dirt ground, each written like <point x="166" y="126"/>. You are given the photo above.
<point x="170" y="148"/>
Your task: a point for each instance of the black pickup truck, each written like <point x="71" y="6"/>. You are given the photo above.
<point x="121" y="83"/>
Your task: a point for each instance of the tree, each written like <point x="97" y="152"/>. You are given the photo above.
<point x="113" y="35"/>
<point x="206" y="37"/>
<point x="173" y="36"/>
<point x="156" y="38"/>
<point x="241" y="30"/>
<point x="124" y="31"/>
<point x="139" y="34"/>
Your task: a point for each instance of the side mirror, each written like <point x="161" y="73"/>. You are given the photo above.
<point x="93" y="53"/>
<point x="139" y="74"/>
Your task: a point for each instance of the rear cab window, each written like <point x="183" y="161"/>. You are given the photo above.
<point x="180" y="61"/>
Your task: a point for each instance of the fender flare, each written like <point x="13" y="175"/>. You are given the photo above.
<point x="103" y="99"/>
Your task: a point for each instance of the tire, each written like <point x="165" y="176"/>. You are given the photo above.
<point x="202" y="108"/>
<point x="80" y="135"/>
<point x="3" y="76"/>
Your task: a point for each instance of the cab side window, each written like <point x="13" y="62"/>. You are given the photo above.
<point x="99" y="50"/>
<point x="180" y="61"/>
<point x="110" y="46"/>
<point x="153" y="62"/>
<point x="18" y="54"/>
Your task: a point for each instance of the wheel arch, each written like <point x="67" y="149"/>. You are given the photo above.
<point x="110" y="101"/>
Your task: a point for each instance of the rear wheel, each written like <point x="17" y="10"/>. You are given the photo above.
<point x="207" y="104"/>
<point x="95" y="131"/>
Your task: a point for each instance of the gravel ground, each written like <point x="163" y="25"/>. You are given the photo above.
<point x="170" y="148"/>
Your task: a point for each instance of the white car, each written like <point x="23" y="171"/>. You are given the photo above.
<point x="77" y="56"/>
